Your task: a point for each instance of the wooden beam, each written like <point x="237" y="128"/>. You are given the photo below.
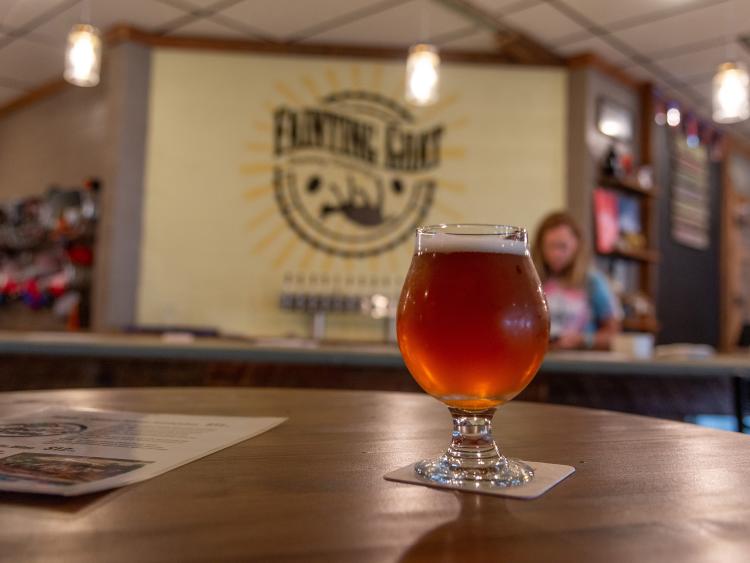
<point x="45" y="90"/>
<point x="129" y="33"/>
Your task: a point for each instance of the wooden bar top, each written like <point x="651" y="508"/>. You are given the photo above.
<point x="312" y="488"/>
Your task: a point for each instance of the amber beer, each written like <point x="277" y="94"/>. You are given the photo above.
<point x="473" y="324"/>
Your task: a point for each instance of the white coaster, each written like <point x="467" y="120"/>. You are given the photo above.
<point x="546" y="476"/>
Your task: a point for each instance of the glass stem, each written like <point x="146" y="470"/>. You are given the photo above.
<point x="472" y="444"/>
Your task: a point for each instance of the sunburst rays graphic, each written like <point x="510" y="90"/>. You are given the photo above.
<point x="271" y="234"/>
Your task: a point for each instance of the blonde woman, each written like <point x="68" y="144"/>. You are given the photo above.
<point x="584" y="313"/>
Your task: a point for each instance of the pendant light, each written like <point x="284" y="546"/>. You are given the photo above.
<point x="422" y="75"/>
<point x="83" y="55"/>
<point x="730" y="93"/>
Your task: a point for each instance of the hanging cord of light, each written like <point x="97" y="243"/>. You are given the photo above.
<point x="83" y="55"/>
<point x="422" y="71"/>
<point x="731" y="87"/>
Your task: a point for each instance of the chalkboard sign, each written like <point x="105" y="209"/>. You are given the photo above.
<point x="690" y="198"/>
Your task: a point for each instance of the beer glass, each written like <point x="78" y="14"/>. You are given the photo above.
<point x="473" y="328"/>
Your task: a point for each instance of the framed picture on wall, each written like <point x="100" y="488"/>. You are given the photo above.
<point x="614" y="120"/>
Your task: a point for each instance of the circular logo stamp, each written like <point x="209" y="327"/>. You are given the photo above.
<point x="38" y="429"/>
<point x="354" y="175"/>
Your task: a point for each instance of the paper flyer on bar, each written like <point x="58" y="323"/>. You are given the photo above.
<point x="74" y="451"/>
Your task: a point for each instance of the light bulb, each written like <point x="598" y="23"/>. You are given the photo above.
<point x="422" y="77"/>
<point x="673" y="117"/>
<point x="610" y="127"/>
<point x="730" y="93"/>
<point x="83" y="56"/>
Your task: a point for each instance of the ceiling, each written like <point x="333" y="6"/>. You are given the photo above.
<point x="677" y="44"/>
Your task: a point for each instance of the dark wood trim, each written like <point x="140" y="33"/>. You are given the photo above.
<point x="47" y="89"/>
<point x="650" y="207"/>
<point x="735" y="144"/>
<point x="730" y="252"/>
<point x="205" y="43"/>
<point x="129" y="33"/>
<point x="646" y="92"/>
<point x="593" y="60"/>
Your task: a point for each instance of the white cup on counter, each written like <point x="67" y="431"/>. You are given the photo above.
<point x="634" y="344"/>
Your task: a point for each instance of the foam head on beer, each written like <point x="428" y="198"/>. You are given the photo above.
<point x="473" y="325"/>
<point x="443" y="240"/>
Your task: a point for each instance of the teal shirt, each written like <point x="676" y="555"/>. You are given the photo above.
<point x="602" y="301"/>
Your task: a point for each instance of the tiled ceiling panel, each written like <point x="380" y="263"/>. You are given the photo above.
<point x="196" y="5"/>
<point x="703" y="62"/>
<point x="284" y="19"/>
<point x="19" y="13"/>
<point x="543" y="22"/>
<point x="146" y="14"/>
<point x="644" y="74"/>
<point x="477" y="40"/>
<point x="594" y="45"/>
<point x="502" y="6"/>
<point x="605" y="13"/>
<point x="400" y="26"/>
<point x="703" y="90"/>
<point x="231" y="23"/>
<point x="30" y="63"/>
<point x="717" y="20"/>
<point x="206" y="27"/>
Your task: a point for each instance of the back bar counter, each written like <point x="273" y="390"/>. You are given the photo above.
<point x="670" y="388"/>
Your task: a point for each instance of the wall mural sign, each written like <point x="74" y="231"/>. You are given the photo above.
<point x="315" y="171"/>
<point x="343" y="170"/>
<point x="355" y="173"/>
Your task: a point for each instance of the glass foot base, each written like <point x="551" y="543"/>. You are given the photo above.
<point x="500" y="472"/>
